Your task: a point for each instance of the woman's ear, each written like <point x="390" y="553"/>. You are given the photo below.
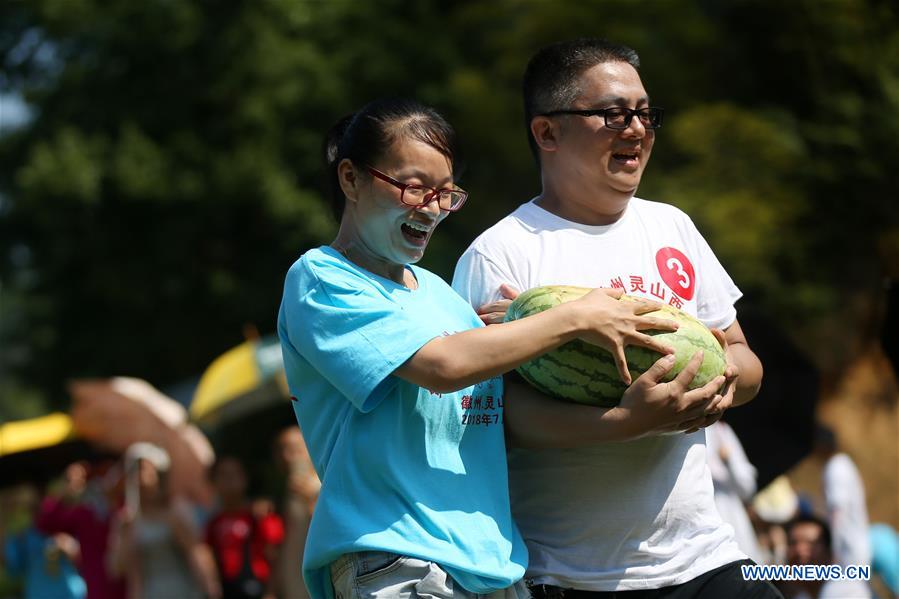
<point x="348" y="179"/>
<point x="546" y="133"/>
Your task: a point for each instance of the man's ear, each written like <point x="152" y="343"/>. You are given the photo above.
<point x="546" y="133"/>
<point x="348" y="179"/>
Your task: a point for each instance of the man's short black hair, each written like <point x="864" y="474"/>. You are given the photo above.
<point x="551" y="77"/>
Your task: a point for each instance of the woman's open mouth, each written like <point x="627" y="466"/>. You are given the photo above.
<point x="415" y="233"/>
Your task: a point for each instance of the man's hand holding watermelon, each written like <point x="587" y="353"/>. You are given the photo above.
<point x="731" y="374"/>
<point x="649" y="406"/>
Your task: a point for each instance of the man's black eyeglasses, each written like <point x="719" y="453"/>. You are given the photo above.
<point x="620" y="117"/>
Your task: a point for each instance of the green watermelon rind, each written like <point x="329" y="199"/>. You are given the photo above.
<point x="585" y="373"/>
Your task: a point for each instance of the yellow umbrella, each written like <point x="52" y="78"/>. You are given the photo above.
<point x="242" y="380"/>
<point x="38" y="449"/>
<point x="36" y="433"/>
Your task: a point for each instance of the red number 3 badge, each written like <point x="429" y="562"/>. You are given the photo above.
<point x="677" y="272"/>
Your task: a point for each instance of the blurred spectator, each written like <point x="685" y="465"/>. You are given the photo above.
<point x="244" y="539"/>
<point x="771" y="507"/>
<point x="298" y="502"/>
<point x="153" y="539"/>
<point x="45" y="563"/>
<point x="844" y="494"/>
<point x="734" y="480"/>
<point x="885" y="555"/>
<point x="82" y="508"/>
<point x="809" y="543"/>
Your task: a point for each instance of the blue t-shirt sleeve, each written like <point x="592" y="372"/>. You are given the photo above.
<point x="350" y="331"/>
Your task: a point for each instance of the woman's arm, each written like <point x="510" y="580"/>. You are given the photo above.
<point x="455" y="361"/>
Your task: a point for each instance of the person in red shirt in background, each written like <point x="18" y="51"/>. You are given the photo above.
<point x="244" y="537"/>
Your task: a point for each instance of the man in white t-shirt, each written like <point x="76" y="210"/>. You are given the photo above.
<point x="600" y="514"/>
<point x="844" y="494"/>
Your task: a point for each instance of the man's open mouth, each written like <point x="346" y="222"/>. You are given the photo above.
<point x="626" y="156"/>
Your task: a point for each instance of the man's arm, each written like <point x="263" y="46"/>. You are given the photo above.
<point x="740" y="385"/>
<point x="748" y="368"/>
<point x="649" y="406"/>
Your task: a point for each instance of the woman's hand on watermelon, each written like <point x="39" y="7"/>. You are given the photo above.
<point x="613" y="324"/>
<point x="495" y="312"/>
<point x="658" y="406"/>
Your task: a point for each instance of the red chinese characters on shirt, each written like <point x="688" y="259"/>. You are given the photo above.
<point x="637" y="284"/>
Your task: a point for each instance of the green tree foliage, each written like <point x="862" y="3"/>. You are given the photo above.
<point x="171" y="172"/>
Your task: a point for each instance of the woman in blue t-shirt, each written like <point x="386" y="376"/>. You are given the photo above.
<point x="396" y="381"/>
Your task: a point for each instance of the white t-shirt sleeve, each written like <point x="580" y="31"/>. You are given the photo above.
<point x="716" y="292"/>
<point x="477" y="278"/>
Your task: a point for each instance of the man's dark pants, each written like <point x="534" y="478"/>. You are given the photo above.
<point x="725" y="582"/>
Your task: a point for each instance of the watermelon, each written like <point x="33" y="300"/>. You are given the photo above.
<point x="585" y="373"/>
